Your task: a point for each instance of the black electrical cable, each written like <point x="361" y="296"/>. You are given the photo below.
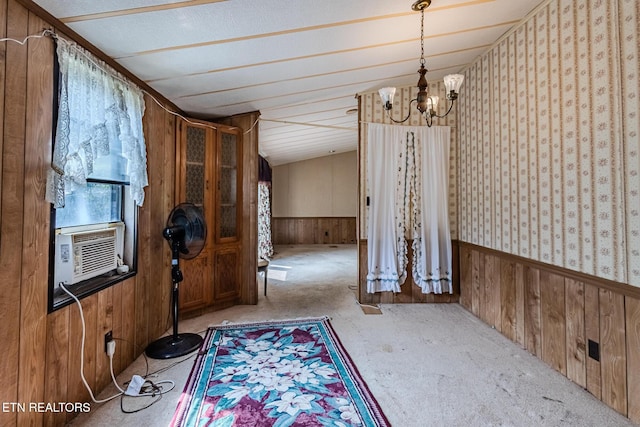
<point x="154" y="389"/>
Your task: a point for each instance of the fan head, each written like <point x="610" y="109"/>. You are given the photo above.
<point x="187" y="229"/>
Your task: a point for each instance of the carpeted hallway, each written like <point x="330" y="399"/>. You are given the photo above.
<point x="427" y="365"/>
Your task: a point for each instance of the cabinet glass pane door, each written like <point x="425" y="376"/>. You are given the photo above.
<point x="195" y="165"/>
<point x="228" y="185"/>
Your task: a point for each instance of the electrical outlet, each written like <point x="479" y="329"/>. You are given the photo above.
<point x="594" y="350"/>
<point x="108" y="337"/>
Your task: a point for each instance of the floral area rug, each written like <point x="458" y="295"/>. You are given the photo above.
<point x="287" y="373"/>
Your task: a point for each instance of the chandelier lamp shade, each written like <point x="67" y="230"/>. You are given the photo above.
<point x="427" y="105"/>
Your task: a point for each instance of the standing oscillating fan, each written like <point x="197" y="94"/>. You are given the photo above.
<point x="186" y="233"/>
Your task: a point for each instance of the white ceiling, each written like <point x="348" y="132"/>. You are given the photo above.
<point x="299" y="62"/>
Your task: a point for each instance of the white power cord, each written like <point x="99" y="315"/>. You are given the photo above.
<point x="32" y="36"/>
<point x="111" y="349"/>
<point x="86" y="384"/>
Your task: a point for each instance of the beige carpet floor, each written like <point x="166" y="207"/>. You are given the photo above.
<point x="428" y="365"/>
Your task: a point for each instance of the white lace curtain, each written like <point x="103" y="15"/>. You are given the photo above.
<point x="407" y="172"/>
<point x="97" y="107"/>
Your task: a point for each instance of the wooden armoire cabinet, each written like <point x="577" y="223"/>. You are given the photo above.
<point x="209" y="175"/>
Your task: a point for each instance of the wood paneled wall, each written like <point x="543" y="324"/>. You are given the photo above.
<point x="553" y="313"/>
<point x="40" y="360"/>
<point x="24" y="224"/>
<point x="560" y="193"/>
<point x="312" y="231"/>
<point x="410" y="292"/>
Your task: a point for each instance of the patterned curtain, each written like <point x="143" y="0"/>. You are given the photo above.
<point x="265" y="246"/>
<point x="407" y="173"/>
<point x="430" y="214"/>
<point x="98" y="109"/>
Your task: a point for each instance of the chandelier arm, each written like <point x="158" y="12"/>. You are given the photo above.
<point x="408" y="114"/>
<point x="448" y="111"/>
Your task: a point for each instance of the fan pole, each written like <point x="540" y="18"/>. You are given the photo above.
<point x="175" y="345"/>
<point x="176" y="278"/>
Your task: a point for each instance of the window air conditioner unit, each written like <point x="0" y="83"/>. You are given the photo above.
<point x="85" y="252"/>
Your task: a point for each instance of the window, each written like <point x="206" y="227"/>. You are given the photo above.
<point x="89" y="212"/>
<point x="97" y="202"/>
<point x="97" y="176"/>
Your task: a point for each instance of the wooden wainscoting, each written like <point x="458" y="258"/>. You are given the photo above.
<point x="313" y="230"/>
<point x="112" y="309"/>
<point x="554" y="313"/>
<point x="410" y="292"/>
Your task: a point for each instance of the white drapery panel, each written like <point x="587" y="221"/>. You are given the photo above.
<point x="97" y="109"/>
<point x="387" y="246"/>
<point x="265" y="245"/>
<point x="407" y="168"/>
<point x="430" y="214"/>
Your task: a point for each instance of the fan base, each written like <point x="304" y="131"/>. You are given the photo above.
<point x="169" y="347"/>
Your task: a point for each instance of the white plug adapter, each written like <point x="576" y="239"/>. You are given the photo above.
<point x="111" y="348"/>
<point x="134" y="386"/>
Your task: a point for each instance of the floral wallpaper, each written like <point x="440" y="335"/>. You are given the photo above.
<point x="549" y="150"/>
<point x="545" y="153"/>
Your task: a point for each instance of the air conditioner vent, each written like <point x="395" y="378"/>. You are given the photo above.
<point x="96" y="255"/>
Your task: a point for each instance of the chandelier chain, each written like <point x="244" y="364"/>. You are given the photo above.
<point x="422" y="60"/>
<point x="426" y="105"/>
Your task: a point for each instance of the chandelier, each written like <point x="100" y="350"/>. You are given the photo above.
<point x="426" y="104"/>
